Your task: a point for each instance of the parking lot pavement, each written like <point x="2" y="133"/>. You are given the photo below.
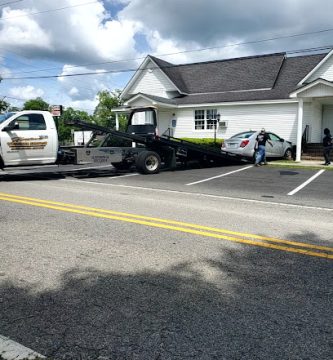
<point x="296" y="185"/>
<point x="310" y="187"/>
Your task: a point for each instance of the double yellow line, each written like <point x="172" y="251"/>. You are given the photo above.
<point x="244" y="238"/>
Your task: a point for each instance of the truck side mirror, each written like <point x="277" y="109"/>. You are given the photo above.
<point x="11" y="126"/>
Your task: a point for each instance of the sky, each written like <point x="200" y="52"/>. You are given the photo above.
<point x="66" y="51"/>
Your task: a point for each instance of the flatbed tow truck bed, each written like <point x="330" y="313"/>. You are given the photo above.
<point x="170" y="148"/>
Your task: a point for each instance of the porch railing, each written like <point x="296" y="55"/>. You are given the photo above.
<point x="168" y="132"/>
<point x="305" y="137"/>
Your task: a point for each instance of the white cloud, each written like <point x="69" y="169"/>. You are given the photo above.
<point x="103" y="32"/>
<point x="83" y="105"/>
<point x="26" y="92"/>
<point x="83" y="87"/>
<point x="81" y="33"/>
<point x="189" y="24"/>
<point x="21" y="32"/>
<point x="177" y="52"/>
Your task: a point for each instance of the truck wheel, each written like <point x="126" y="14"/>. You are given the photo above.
<point x="121" y="165"/>
<point x="148" y="162"/>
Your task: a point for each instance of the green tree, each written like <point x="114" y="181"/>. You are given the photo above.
<point x="36" y="104"/>
<point x="103" y="112"/>
<point x="69" y="114"/>
<point x="4" y="105"/>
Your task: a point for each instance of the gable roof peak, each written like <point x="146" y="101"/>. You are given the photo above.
<point x="158" y="60"/>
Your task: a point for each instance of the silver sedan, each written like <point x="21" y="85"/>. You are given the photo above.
<point x="244" y="142"/>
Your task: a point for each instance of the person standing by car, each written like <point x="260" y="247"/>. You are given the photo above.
<point x="260" y="149"/>
<point x="328" y="145"/>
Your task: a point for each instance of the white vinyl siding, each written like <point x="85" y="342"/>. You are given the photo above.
<point x="320" y="90"/>
<point x="153" y="81"/>
<point x="325" y="71"/>
<point x="140" y="102"/>
<point x="278" y="118"/>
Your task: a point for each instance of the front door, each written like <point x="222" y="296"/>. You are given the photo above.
<point x="328" y="118"/>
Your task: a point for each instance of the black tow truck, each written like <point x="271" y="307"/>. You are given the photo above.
<point x="148" y="152"/>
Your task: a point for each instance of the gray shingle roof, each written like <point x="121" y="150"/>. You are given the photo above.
<point x="241" y="79"/>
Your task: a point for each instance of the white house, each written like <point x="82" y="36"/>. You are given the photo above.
<point x="292" y="96"/>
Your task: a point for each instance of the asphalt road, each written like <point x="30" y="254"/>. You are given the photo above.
<point x="105" y="265"/>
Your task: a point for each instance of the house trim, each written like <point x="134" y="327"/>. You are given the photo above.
<point x="316" y="68"/>
<point x="257" y="102"/>
<point x="138" y="72"/>
<point x="145" y="97"/>
<point x="205" y="105"/>
<point x="313" y="84"/>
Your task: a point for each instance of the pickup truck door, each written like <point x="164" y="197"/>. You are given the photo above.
<point x="28" y="142"/>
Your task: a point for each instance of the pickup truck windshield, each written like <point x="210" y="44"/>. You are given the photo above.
<point x="6" y="116"/>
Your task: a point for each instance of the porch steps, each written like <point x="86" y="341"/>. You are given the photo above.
<point x="313" y="151"/>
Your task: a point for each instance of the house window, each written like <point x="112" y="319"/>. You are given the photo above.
<point x="205" y="119"/>
<point x="199" y="119"/>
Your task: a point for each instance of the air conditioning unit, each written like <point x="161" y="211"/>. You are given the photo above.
<point x="223" y="124"/>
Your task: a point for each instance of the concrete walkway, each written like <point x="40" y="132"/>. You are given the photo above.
<point x="310" y="163"/>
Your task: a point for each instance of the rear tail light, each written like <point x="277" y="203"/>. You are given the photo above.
<point x="244" y="143"/>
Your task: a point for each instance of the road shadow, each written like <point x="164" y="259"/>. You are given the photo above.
<point x="256" y="304"/>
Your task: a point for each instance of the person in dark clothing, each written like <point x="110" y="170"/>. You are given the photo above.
<point x="260" y="149"/>
<point x="328" y="145"/>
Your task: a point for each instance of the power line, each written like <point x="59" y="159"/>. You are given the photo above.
<point x="47" y="11"/>
<point x="133" y="70"/>
<point x="11" y="2"/>
<point x="192" y="50"/>
<point x="10" y="97"/>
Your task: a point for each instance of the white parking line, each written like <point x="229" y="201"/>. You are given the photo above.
<point x="243" y="200"/>
<point x="306" y="183"/>
<point x="11" y="350"/>
<point x="219" y="176"/>
<point x="121" y="176"/>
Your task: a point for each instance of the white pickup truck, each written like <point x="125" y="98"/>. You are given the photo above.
<point x="28" y="138"/>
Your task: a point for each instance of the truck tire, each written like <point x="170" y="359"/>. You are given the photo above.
<point x="121" y="165"/>
<point x="148" y="162"/>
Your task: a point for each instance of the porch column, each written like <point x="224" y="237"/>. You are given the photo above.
<point x="299" y="129"/>
<point x="117" y="121"/>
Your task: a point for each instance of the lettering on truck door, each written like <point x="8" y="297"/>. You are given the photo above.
<point x="28" y="142"/>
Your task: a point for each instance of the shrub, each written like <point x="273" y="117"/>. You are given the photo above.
<point x="205" y="142"/>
